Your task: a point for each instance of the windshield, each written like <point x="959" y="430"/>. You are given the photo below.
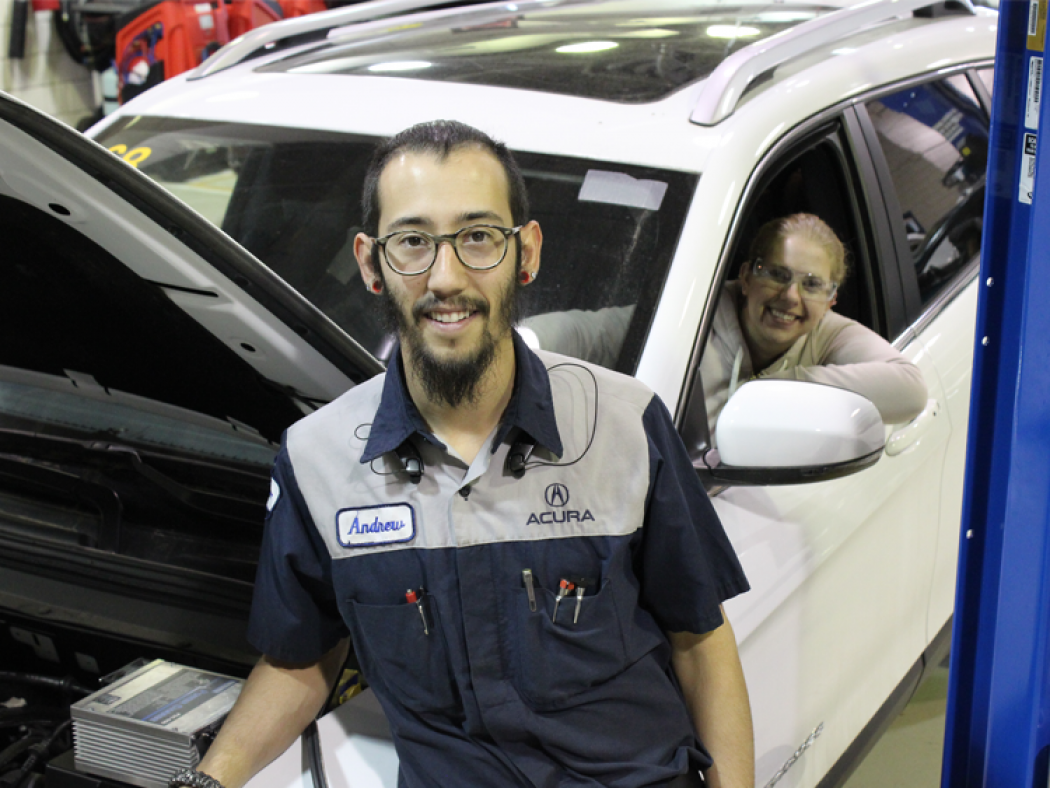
<point x="623" y="50"/>
<point x="291" y="197"/>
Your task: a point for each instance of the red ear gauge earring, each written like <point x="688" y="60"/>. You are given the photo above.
<point x="377" y="286"/>
<point x="526" y="277"/>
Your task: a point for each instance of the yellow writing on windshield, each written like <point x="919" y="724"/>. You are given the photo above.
<point x="134" y="157"/>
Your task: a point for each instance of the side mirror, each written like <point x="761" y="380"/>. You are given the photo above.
<point x="791" y="432"/>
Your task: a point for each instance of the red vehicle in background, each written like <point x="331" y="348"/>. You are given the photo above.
<point x="162" y="39"/>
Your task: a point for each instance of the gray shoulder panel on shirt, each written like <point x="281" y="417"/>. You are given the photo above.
<point x="603" y="473"/>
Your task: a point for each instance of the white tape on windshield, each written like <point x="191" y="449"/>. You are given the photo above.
<point x="617" y="188"/>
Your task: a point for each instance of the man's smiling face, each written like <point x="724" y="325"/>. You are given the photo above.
<point x="452" y="320"/>
<point x="773" y="318"/>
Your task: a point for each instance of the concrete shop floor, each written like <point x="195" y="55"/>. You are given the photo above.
<point x="909" y="754"/>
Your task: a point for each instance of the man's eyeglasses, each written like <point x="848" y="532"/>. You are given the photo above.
<point x="479" y="247"/>
<point x="779" y="277"/>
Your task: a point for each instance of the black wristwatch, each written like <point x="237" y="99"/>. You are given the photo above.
<point x="193" y="779"/>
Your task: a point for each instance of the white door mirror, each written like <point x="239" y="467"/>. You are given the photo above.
<point x="790" y="431"/>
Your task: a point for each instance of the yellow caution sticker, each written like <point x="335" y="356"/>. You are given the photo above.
<point x="1037" y="25"/>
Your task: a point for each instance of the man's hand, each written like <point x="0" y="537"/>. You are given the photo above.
<point x="708" y="668"/>
<point x="277" y="702"/>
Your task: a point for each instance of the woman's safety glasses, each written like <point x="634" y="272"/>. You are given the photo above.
<point x="779" y="277"/>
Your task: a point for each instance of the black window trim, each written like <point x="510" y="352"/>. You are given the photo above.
<point x="882" y="204"/>
<point x="917" y="315"/>
<point x="952" y="290"/>
<point x="979" y="88"/>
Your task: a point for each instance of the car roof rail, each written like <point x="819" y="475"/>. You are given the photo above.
<point x="302" y="28"/>
<point x="727" y="83"/>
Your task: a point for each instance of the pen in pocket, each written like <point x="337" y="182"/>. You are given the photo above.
<point x="416" y="598"/>
<point x="530" y="587"/>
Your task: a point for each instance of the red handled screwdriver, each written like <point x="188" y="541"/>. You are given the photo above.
<point x="414" y="599"/>
<point x="564" y="587"/>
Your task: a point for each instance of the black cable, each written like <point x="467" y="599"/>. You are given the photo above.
<point x="363" y="436"/>
<point x="28" y="715"/>
<point x="372" y="466"/>
<point x="314" y="756"/>
<point x="594" y="424"/>
<point x="13" y="751"/>
<point x="39" y="751"/>
<point x="67" y="28"/>
<point x="534" y="463"/>
<point x="67" y="685"/>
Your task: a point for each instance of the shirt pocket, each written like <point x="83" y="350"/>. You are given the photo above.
<point x="390" y="642"/>
<point x="558" y="659"/>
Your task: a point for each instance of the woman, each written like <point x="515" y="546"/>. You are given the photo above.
<point x="776" y="321"/>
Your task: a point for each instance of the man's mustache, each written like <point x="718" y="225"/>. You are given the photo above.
<point x="431" y="302"/>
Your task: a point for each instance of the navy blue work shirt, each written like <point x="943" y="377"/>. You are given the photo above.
<point x="486" y="682"/>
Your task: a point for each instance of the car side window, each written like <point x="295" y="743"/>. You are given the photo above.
<point x="813" y="179"/>
<point x="935" y="140"/>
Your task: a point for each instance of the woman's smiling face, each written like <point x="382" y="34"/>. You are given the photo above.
<point x="773" y="317"/>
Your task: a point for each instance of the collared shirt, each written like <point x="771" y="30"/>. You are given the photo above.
<point x="483" y="683"/>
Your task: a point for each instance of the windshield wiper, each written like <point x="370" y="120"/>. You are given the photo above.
<point x="91" y="460"/>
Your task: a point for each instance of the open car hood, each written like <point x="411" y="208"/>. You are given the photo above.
<point x="148" y="367"/>
<point x="102" y="263"/>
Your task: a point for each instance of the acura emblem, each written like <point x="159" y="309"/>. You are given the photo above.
<point x="556" y="495"/>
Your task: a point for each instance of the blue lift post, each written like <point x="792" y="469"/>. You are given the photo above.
<point x="998" y="718"/>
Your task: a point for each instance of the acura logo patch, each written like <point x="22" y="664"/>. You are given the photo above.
<point x="556" y="495"/>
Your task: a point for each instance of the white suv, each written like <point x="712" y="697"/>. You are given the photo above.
<point x="655" y="137"/>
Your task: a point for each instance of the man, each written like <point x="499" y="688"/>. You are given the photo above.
<point x="517" y="546"/>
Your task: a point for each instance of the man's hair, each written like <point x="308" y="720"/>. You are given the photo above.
<point x="440" y="138"/>
<point x="811" y="227"/>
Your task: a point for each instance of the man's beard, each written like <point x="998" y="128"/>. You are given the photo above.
<point x="454" y="381"/>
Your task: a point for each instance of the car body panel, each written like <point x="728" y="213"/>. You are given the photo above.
<point x="355" y="746"/>
<point x="949" y="342"/>
<point x="828" y="559"/>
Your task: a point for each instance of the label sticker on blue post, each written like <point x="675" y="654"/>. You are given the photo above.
<point x="1035" y="93"/>
<point x="1026" y="183"/>
<point x="375" y="525"/>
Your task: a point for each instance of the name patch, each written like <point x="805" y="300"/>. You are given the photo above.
<point x="375" y="525"/>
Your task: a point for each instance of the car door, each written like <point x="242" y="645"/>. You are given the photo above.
<point x="840" y="569"/>
<point x="929" y="142"/>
